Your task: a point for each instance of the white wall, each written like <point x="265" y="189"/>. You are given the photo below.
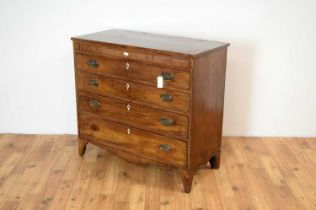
<point x="271" y="75"/>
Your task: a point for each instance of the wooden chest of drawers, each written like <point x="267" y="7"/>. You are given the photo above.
<point x="123" y="108"/>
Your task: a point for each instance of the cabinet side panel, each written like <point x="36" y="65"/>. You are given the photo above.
<point x="75" y="47"/>
<point x="207" y="106"/>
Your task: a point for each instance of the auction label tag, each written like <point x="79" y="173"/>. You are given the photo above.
<point x="159" y="82"/>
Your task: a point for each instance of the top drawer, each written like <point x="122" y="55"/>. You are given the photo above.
<point x="146" y="56"/>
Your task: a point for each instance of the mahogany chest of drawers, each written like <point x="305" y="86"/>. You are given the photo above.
<point x="151" y="98"/>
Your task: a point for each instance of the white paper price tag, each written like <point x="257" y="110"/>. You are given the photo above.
<point x="159" y="82"/>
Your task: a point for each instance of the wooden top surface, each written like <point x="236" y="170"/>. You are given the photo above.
<point x="181" y="45"/>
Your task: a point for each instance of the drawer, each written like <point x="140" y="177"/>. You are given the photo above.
<point x="156" y="147"/>
<point x="154" y="120"/>
<point x="169" y="99"/>
<point x="102" y="85"/>
<point x="147" y="74"/>
<point x="146" y="56"/>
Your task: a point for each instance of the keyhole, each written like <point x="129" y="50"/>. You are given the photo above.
<point x="94" y="127"/>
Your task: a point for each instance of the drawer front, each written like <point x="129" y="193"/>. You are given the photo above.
<point x="157" y="147"/>
<point x="146" y="56"/>
<point x="133" y="71"/>
<point x="154" y="120"/>
<point x="169" y="99"/>
<point x="102" y="85"/>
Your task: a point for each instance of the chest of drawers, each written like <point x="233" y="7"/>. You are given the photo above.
<point x="120" y="107"/>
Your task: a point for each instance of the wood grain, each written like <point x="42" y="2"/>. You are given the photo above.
<point x="157" y="42"/>
<point x="134" y="54"/>
<point x="116" y="88"/>
<point x="138" y="116"/>
<point x="122" y="66"/>
<point x="207" y="107"/>
<point x="129" y="139"/>
<point x="133" y="71"/>
<point x="45" y="172"/>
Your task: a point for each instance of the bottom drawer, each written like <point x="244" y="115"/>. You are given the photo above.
<point x="156" y="147"/>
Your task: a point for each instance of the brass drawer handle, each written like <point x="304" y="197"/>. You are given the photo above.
<point x="92" y="63"/>
<point x="167" y="122"/>
<point x="94" y="83"/>
<point x="167" y="76"/>
<point x="95" y="103"/>
<point x="166" y="97"/>
<point x="165" y="147"/>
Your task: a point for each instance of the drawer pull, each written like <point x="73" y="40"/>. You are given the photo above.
<point x="127" y="86"/>
<point x="166" y="97"/>
<point x="128" y="107"/>
<point x="125" y="54"/>
<point x="127" y="66"/>
<point x="128" y="131"/>
<point x="93" y="63"/>
<point x="167" y="76"/>
<point x="165" y="147"/>
<point x="94" y="127"/>
<point x="167" y="122"/>
<point x="94" y="83"/>
<point x="95" y="103"/>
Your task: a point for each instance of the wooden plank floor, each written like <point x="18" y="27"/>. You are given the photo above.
<point x="45" y="172"/>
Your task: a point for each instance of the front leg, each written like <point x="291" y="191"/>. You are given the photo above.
<point x="186" y="177"/>
<point x="82" y="146"/>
